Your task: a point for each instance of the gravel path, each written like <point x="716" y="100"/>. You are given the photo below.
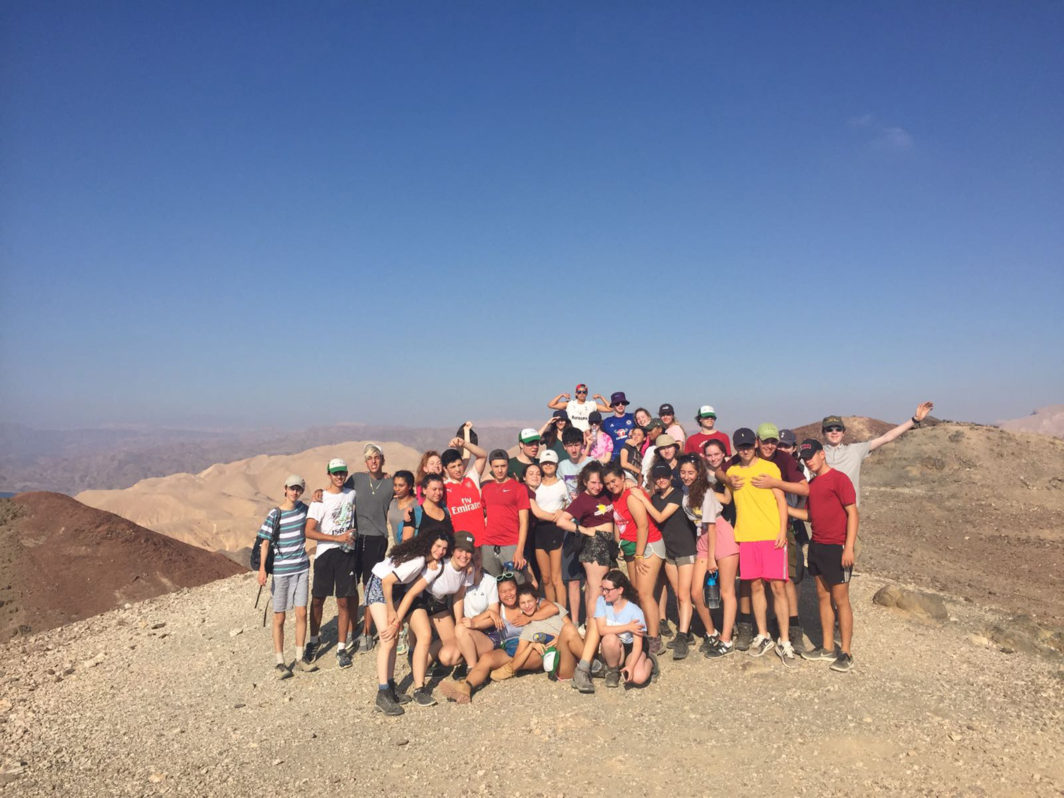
<point x="174" y="696"/>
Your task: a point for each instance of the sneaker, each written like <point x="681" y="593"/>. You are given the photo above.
<point x="598" y="668"/>
<point x="745" y="636"/>
<point x="423" y="698"/>
<point x="399" y="696"/>
<point x="282" y="671"/>
<point x="664" y="630"/>
<point x="366" y="643"/>
<point x="785" y="651"/>
<point x="461" y="670"/>
<point x="842" y="663"/>
<point x="582" y="681"/>
<point x="505" y="672"/>
<point x="797" y="637"/>
<point x="759" y="645"/>
<point x="613" y="677"/>
<point x="655" y="670"/>
<point x="386" y="703"/>
<point x="819" y="654"/>
<point x="682" y="647"/>
<point x="351" y="644"/>
<point x="721" y="649"/>
<point x="343" y="658"/>
<point x="439" y="671"/>
<point x="309" y="650"/>
<point x="672" y="643"/>
<point x="654" y="645"/>
<point x="305" y="667"/>
<point x="459" y="691"/>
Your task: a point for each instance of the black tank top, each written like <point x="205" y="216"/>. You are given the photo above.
<point x="430" y="526"/>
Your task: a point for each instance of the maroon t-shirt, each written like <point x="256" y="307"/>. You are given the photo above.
<point x="697" y="441"/>
<point x="828" y="495"/>
<point x="592" y="511"/>
<point x="788" y="466"/>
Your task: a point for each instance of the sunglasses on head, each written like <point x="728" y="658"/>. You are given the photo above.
<point x="506" y="576"/>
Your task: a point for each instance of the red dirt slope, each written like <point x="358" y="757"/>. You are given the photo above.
<point x="61" y="561"/>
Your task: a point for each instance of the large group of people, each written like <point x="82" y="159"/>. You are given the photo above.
<point x="563" y="557"/>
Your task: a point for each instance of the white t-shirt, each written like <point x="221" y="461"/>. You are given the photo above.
<point x="479" y="597"/>
<point x="569" y="473"/>
<point x="448" y="582"/>
<point x="711" y="508"/>
<point x="406" y="573"/>
<point x="552" y="498"/>
<point x="335" y="514"/>
<point x="578" y="413"/>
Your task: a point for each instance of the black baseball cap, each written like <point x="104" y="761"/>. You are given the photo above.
<point x="660" y="471"/>
<point x="809" y="447"/>
<point x="666" y="410"/>
<point x="744" y="436"/>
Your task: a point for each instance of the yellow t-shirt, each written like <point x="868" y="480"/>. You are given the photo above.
<point x="757" y="515"/>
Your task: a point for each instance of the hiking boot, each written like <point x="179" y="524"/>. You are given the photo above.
<point x="613" y="677"/>
<point x="439" y="670"/>
<point x="308" y="652"/>
<point x="305" y="667"/>
<point x="745" y="636"/>
<point x="654" y="645"/>
<point x="423" y="698"/>
<point x="664" y="630"/>
<point x="682" y="647"/>
<point x="785" y="651"/>
<point x="343" y="658"/>
<point x="797" y="637"/>
<point x="387" y="704"/>
<point x="461" y="670"/>
<point x="399" y="696"/>
<point x="458" y="691"/>
<point x="759" y="645"/>
<point x="655" y="670"/>
<point x="582" y="681"/>
<point x="819" y="654"/>
<point x="672" y="643"/>
<point x="721" y="649"/>
<point x="598" y="668"/>
<point x="282" y="671"/>
<point x="366" y="643"/>
<point x="505" y="672"/>
<point x="842" y="663"/>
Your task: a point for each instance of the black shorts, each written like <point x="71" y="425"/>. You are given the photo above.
<point x="334" y="574"/>
<point x="430" y="604"/>
<point x="825" y="560"/>
<point x="549" y="537"/>
<point x="572" y="570"/>
<point x="369" y="550"/>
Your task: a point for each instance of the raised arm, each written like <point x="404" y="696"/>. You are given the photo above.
<point x="601" y="403"/>
<point x="921" y="413"/>
<point x="559" y="402"/>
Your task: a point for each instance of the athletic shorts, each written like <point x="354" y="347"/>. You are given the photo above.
<point x="726" y="545"/>
<point x="655" y="549"/>
<point x="760" y="559"/>
<point x="825" y="561"/>
<point x="572" y="570"/>
<point x="494" y="559"/>
<point x="289" y="591"/>
<point x="334" y="574"/>
<point x="688" y="560"/>
<point x="430" y="604"/>
<point x="369" y="550"/>
<point x="548" y="536"/>
<point x="375" y="592"/>
<point x="598" y="549"/>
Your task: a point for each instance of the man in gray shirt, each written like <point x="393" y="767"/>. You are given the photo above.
<point x="373" y="492"/>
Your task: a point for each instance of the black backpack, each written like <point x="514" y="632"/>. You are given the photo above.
<point x="256" y="547"/>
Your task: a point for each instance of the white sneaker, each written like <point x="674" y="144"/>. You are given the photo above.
<point x="759" y="645"/>
<point x="785" y="651"/>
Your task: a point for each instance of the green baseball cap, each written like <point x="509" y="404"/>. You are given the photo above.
<point x="767" y="431"/>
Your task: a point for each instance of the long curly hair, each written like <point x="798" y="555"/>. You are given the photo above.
<point x="696" y="493"/>
<point x="421" y="546"/>
<point x="620" y="580"/>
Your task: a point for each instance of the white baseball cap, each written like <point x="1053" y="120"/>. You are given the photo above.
<point x="707" y="411"/>
<point x="337" y="464"/>
<point x="295" y="481"/>
<point x="549" y="456"/>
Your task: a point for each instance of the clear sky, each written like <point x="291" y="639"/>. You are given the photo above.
<point x="229" y="214"/>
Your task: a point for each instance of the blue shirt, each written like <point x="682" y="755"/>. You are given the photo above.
<point x="629" y="612"/>
<point x="618" y="427"/>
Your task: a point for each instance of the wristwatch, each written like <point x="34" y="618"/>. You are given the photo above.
<point x="915" y="421"/>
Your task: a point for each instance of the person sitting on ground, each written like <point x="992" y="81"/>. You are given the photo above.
<point x="622" y="628"/>
<point x="479" y="630"/>
<point x="541" y="628"/>
<point x="285" y="531"/>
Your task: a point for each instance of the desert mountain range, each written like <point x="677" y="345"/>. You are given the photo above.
<point x="1047" y="420"/>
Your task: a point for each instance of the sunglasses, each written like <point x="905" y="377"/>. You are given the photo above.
<point x="581" y="393"/>
<point x="506" y="576"/>
<point x="833" y="429"/>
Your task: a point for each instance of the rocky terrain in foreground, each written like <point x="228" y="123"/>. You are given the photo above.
<point x="175" y="696"/>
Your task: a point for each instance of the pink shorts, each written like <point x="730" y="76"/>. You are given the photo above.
<point x="726" y="545"/>
<point x="760" y="559"/>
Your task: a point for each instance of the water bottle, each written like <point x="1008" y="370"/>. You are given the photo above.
<point x="711" y="591"/>
<point x="346" y="547"/>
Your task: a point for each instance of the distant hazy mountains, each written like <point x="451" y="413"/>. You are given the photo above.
<point x="1047" y="420"/>
<point x="70" y="461"/>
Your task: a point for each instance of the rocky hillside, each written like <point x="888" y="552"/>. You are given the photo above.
<point x="62" y="561"/>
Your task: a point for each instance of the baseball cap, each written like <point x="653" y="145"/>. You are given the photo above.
<point x="618" y="398"/>
<point x="744" y="436"/>
<point x="529" y="435"/>
<point x="295" y="481"/>
<point x="336" y="465"/>
<point x="654" y="423"/>
<point x="809" y="447"/>
<point x="580" y="387"/>
<point x="767" y="431"/>
<point x="660" y="470"/>
<point x="372" y="448"/>
<point x="549" y="456"/>
<point x="707" y="411"/>
<point x="560" y="414"/>
<point x="498" y="454"/>
<point x="788" y="438"/>
<point x="666" y="410"/>
<point x="832" y="421"/>
<point x="464" y="541"/>
<point x="665" y="440"/>
<point x="594" y="417"/>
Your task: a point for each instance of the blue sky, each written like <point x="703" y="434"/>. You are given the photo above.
<point x="237" y="215"/>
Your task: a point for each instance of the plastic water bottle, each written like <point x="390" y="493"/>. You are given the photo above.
<point x="711" y="591"/>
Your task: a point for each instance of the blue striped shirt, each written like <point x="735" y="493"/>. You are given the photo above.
<point x="290" y="553"/>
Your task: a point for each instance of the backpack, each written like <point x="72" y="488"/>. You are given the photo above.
<point x="256" y="547"/>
